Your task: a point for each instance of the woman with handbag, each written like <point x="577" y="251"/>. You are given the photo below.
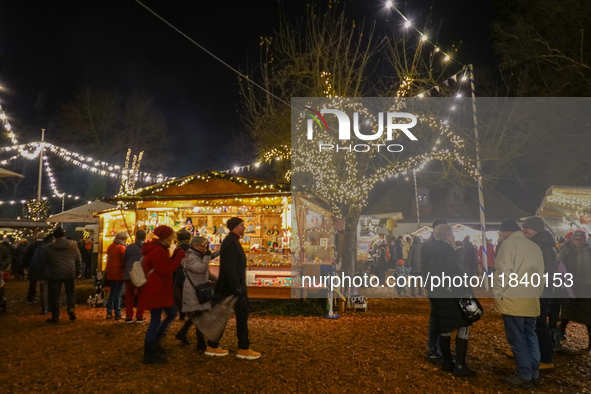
<point x="157" y="292"/>
<point x="198" y="290"/>
<point x="445" y="301"/>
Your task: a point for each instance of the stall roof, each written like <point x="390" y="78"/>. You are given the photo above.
<point x="563" y="206"/>
<point x="22" y="223"/>
<point x="81" y="214"/>
<point x="207" y="185"/>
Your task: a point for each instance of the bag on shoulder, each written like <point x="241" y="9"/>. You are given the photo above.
<point x="137" y="274"/>
<point x="470" y="307"/>
<point x="203" y="291"/>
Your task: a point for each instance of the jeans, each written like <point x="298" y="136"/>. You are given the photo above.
<point x="130" y="291"/>
<point x="54" y="290"/>
<point x="157" y="329"/>
<point x="241" y="311"/>
<point x="543" y="332"/>
<point x="114" y="301"/>
<point x="521" y="335"/>
<point x="433" y="339"/>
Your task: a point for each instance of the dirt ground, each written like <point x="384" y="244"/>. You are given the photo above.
<point x="377" y="351"/>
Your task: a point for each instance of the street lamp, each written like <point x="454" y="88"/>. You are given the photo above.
<point x="389" y="4"/>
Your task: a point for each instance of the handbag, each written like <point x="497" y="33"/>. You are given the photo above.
<point x="470" y="307"/>
<point x="203" y="291"/>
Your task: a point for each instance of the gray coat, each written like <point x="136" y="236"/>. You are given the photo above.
<point x="196" y="265"/>
<point x="60" y="260"/>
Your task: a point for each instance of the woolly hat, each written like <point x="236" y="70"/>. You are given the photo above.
<point x="509" y="225"/>
<point x="568" y="235"/>
<point x="163" y="232"/>
<point x="59" y="232"/>
<point x="580" y="233"/>
<point x="438" y="221"/>
<point x="233" y="222"/>
<point x="535" y="223"/>
<point x="400" y="262"/>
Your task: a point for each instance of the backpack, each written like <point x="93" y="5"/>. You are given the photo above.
<point x="137" y="273"/>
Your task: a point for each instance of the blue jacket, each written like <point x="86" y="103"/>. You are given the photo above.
<point x="132" y="254"/>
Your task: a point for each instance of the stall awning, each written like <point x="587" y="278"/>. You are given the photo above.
<point x="82" y="214"/>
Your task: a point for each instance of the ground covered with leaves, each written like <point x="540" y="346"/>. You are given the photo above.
<point x="381" y="350"/>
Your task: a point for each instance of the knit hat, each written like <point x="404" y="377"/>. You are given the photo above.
<point x="183" y="235"/>
<point x="438" y="221"/>
<point x="509" y="225"/>
<point x="580" y="233"/>
<point x="163" y="232"/>
<point x="400" y="262"/>
<point x="233" y="222"/>
<point x="568" y="235"/>
<point x="535" y="223"/>
<point x="59" y="232"/>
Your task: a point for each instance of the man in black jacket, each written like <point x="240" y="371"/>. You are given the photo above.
<point x="60" y="263"/>
<point x="434" y="351"/>
<point x="232" y="281"/>
<point x="534" y="230"/>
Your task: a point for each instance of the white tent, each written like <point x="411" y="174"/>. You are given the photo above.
<point x="82" y="214"/>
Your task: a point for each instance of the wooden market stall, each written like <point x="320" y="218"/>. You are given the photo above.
<point x="203" y="203"/>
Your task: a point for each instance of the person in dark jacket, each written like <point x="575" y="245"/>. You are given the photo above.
<point x="576" y="256"/>
<point x="470" y="258"/>
<point x="392" y="252"/>
<point x="398" y="248"/>
<point x="34" y="272"/>
<point x="157" y="292"/>
<point x="132" y="254"/>
<point x="18" y="267"/>
<point x="447" y="314"/>
<point x="27" y="263"/>
<point x="60" y="263"/>
<point x="86" y="255"/>
<point x="5" y="259"/>
<point x="380" y="261"/>
<point x="534" y="230"/>
<point x="183" y="237"/>
<point x="232" y="281"/>
<point x="414" y="259"/>
<point x="433" y="352"/>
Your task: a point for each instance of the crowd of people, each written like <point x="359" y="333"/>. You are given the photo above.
<point x="534" y="316"/>
<point x="174" y="264"/>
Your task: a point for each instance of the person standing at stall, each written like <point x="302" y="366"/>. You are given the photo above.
<point x="232" y="281"/>
<point x="116" y="274"/>
<point x="132" y="254"/>
<point x="157" y="292"/>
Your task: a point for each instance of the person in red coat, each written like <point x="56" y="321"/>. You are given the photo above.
<point x="157" y="292"/>
<point x="115" y="271"/>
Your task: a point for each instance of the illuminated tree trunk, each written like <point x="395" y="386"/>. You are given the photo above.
<point x="350" y="239"/>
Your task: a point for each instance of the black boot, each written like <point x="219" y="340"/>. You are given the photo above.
<point x="159" y="347"/>
<point x="182" y="334"/>
<point x="445" y="345"/>
<point x="152" y="356"/>
<point x="460" y="368"/>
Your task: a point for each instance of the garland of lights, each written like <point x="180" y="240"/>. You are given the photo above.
<point x="578" y="203"/>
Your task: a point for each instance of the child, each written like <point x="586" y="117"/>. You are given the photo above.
<point x="401" y="270"/>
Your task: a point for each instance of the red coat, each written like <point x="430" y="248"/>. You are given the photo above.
<point x="158" y="289"/>
<point x="115" y="261"/>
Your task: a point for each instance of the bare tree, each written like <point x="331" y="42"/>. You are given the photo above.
<point x="103" y="123"/>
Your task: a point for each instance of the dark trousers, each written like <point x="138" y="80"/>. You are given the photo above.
<point x="54" y="290"/>
<point x="521" y="335"/>
<point x="32" y="290"/>
<point x="155" y="328"/>
<point x="201" y="342"/>
<point x="241" y="311"/>
<point x="543" y="331"/>
<point x="433" y="336"/>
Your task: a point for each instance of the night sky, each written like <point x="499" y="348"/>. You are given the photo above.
<point x="54" y="48"/>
